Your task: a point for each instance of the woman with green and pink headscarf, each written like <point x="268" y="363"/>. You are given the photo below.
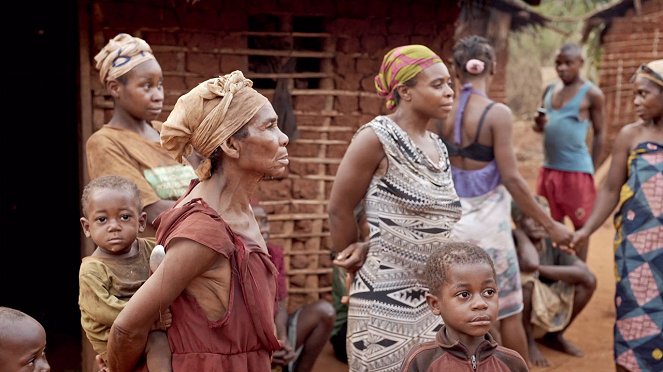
<point x="401" y="171"/>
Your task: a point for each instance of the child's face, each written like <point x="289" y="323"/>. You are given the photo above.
<point x="24" y="350"/>
<point x="467" y="300"/>
<point x="113" y="220"/>
<point x="532" y="228"/>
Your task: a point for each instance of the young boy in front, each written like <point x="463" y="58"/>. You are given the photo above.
<point x="113" y="217"/>
<point x="463" y="291"/>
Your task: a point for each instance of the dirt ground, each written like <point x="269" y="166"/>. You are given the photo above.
<point x="592" y="329"/>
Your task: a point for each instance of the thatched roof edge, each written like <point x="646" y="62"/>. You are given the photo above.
<point x="522" y="14"/>
<point x="604" y="15"/>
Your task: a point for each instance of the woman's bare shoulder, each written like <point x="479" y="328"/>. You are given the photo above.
<point x="500" y="114"/>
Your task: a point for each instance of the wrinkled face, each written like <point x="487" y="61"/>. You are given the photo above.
<point x="568" y="66"/>
<point x="467" y="300"/>
<point x="648" y="100"/>
<point x="142" y="95"/>
<point x="433" y="94"/>
<point x="261" y="217"/>
<point x="113" y="220"/>
<point x="264" y="151"/>
<point x="24" y="350"/>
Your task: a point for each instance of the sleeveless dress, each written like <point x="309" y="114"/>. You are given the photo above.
<point x="244" y="338"/>
<point x="486" y="208"/>
<point x="411" y="211"/>
<point x="639" y="262"/>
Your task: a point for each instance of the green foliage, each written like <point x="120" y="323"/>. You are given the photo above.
<point x="535" y="48"/>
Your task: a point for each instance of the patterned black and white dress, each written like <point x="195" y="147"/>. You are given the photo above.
<point x="411" y="211"/>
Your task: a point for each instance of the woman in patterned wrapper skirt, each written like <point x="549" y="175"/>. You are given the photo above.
<point x="401" y="170"/>
<point x="635" y="186"/>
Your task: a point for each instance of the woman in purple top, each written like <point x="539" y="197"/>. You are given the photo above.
<point x="485" y="176"/>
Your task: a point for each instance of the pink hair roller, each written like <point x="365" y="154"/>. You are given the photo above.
<point x="475" y="66"/>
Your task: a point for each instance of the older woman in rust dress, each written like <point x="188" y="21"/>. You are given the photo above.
<point x="216" y="275"/>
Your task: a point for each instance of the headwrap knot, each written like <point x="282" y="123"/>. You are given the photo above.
<point x="652" y="71"/>
<point x="208" y="116"/>
<point x="120" y="55"/>
<point x="400" y="65"/>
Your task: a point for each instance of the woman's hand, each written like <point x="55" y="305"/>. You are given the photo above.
<point x="540" y="120"/>
<point x="100" y="363"/>
<point x="164" y="322"/>
<point x="283" y="356"/>
<point x="352" y="257"/>
<point x="580" y="237"/>
<point x="559" y="233"/>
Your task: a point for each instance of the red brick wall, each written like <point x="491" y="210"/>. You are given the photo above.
<point x="630" y="41"/>
<point x="194" y="42"/>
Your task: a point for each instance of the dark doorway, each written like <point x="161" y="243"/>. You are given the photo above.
<point x="39" y="230"/>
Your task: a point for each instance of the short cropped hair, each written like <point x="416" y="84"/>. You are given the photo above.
<point x="113" y="183"/>
<point x="571" y="49"/>
<point x="8" y="317"/>
<point x="451" y="254"/>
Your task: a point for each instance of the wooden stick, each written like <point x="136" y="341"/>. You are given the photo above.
<point x="297" y="216"/>
<point x="321" y="141"/>
<point x="313" y="128"/>
<point x="326" y="113"/>
<point x="309" y="290"/>
<point x="321" y="177"/>
<point x="298" y="235"/>
<point x="294" y="202"/>
<point x="325" y="92"/>
<point x="291" y="34"/>
<point x="314" y="160"/>
<point x="286" y="75"/>
<point x="326" y="270"/>
<point x="243" y="51"/>
<point x="302" y="253"/>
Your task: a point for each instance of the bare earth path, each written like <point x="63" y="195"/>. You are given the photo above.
<point x="592" y="330"/>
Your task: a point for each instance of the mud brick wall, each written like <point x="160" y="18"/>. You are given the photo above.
<point x="332" y="91"/>
<point x="630" y="41"/>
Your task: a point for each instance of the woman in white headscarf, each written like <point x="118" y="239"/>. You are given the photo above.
<point x="216" y="275"/>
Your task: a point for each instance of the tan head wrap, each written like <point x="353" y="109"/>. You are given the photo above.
<point x="653" y="71"/>
<point x="209" y="115"/>
<point x="120" y="55"/>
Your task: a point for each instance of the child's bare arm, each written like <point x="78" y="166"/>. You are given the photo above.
<point x="575" y="273"/>
<point x="157" y="352"/>
<point x="528" y="257"/>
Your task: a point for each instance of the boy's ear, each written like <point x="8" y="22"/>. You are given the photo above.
<point x="142" y="221"/>
<point x="433" y="303"/>
<point x="86" y="227"/>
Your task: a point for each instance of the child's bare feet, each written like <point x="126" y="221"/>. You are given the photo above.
<point x="557" y="342"/>
<point x="536" y="358"/>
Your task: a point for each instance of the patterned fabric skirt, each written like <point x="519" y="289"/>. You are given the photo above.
<point x="486" y="222"/>
<point x="639" y="263"/>
<point x="385" y="322"/>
